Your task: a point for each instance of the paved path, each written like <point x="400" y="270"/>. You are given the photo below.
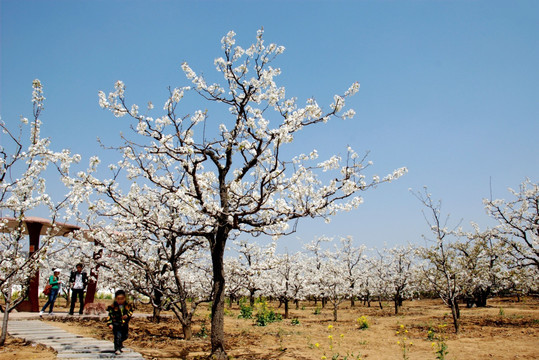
<point x="67" y="345"/>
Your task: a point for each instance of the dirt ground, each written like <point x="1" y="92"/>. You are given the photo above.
<point x="506" y="329"/>
<point x="20" y="350"/>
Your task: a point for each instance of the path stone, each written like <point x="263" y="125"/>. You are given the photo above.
<point x="68" y="346"/>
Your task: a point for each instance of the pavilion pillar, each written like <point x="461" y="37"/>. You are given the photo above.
<point x="34" y="231"/>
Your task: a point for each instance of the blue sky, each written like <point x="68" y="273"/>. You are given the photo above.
<point x="448" y="88"/>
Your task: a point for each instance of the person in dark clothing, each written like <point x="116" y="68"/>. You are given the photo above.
<point x="120" y="312"/>
<point x="55" y="283"/>
<point x="78" y="280"/>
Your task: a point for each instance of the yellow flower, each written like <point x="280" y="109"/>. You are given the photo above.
<point x="324" y="357"/>
<point x="398" y="342"/>
<point x="406" y="331"/>
<point x="342" y="335"/>
<point x="433" y="344"/>
<point x="402" y="326"/>
<point x="397" y="332"/>
<point x="404" y="338"/>
<point x="330" y="337"/>
<point x="411" y="343"/>
<point x="318" y="345"/>
<point x="330" y="327"/>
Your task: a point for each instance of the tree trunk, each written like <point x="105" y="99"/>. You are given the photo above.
<point x="380" y="302"/>
<point x="481" y="297"/>
<point x="68" y="297"/>
<point x="297" y="304"/>
<point x="218" y="305"/>
<point x="187" y="331"/>
<point x="185" y="317"/>
<point x="286" y="308"/>
<point x="5" y="319"/>
<point x="156" y="317"/>
<point x="335" y="312"/>
<point x="398" y="303"/>
<point x="251" y="298"/>
<point x="352" y="301"/>
<point x="455" y="314"/>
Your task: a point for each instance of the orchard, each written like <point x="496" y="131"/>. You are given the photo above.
<point x="189" y="220"/>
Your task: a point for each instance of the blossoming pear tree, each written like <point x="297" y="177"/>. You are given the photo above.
<point x="353" y="258"/>
<point x="332" y="280"/>
<point x="441" y="269"/>
<point x="145" y="248"/>
<point x="24" y="159"/>
<point x="518" y="222"/>
<point x="236" y="177"/>
<point x="288" y="280"/>
<point x="253" y="266"/>
<point x="484" y="261"/>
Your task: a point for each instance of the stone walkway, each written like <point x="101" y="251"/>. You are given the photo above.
<point x="67" y="345"/>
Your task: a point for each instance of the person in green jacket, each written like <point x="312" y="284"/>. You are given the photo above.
<point x="55" y="282"/>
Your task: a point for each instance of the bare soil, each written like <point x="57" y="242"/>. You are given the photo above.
<point x="21" y="350"/>
<point x="505" y="329"/>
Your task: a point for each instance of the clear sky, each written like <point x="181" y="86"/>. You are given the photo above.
<point x="449" y="89"/>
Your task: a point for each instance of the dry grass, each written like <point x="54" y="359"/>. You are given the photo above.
<point x="485" y="333"/>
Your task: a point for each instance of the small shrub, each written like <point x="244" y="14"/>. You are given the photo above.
<point x="440" y="349"/>
<point x="265" y="318"/>
<point x="203" y="332"/>
<point x="265" y="315"/>
<point x="363" y="322"/>
<point x="246" y="312"/>
<point x="317" y="310"/>
<point x="431" y="333"/>
<point x="295" y="321"/>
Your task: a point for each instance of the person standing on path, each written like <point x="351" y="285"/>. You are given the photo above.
<point x="78" y="280"/>
<point x="55" y="283"/>
<point x="120" y="312"/>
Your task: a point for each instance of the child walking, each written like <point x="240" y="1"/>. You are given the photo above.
<point x="120" y="313"/>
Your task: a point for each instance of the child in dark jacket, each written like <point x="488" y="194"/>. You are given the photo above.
<point x="120" y="312"/>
